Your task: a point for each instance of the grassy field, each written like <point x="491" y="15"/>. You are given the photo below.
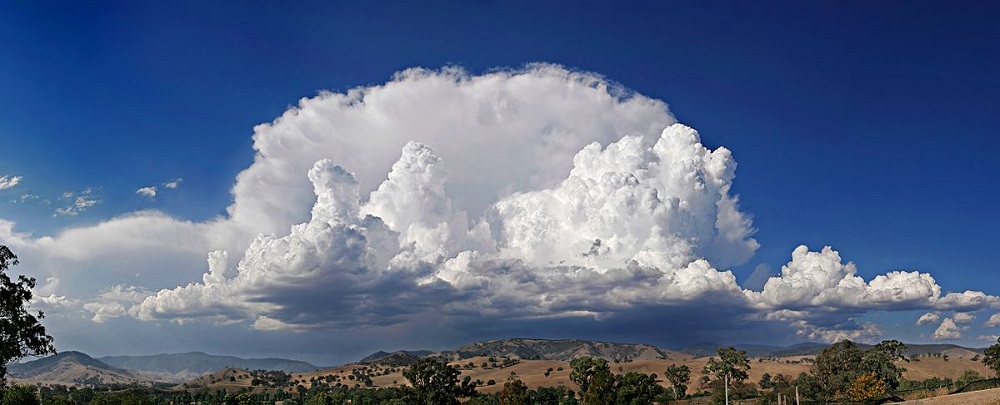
<point x="533" y="372"/>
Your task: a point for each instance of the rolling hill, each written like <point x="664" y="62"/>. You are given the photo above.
<point x="559" y="350"/>
<point x="182" y="366"/>
<point x="73" y="368"/>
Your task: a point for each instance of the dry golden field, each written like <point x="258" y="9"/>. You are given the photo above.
<point x="532" y="372"/>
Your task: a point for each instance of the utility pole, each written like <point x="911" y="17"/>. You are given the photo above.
<point x="727" y="388"/>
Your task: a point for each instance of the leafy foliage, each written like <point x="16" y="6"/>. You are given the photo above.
<point x="21" y="333"/>
<point x="637" y="389"/>
<point x="584" y="369"/>
<point x="679" y="377"/>
<point x="867" y="387"/>
<point x="991" y="357"/>
<point x="845" y="369"/>
<point x="514" y="393"/>
<point x="435" y="382"/>
<point x="19" y="395"/>
<point x="731" y="362"/>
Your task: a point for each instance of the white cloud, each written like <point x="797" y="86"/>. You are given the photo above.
<point x="928" y="318"/>
<point x="172" y="184"/>
<point x="9" y="181"/>
<point x="994" y="320"/>
<point x="78" y="202"/>
<point x="148" y="192"/>
<point x="947" y="330"/>
<point x="963" y="317"/>
<point x="989" y="338"/>
<point x="518" y="195"/>
<point x="115" y="302"/>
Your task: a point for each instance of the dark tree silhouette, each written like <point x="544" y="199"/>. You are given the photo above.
<point x="21" y="333"/>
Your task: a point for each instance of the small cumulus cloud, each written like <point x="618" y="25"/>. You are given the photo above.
<point x="151" y="192"/>
<point x="148" y="192"/>
<point x="172" y="184"/>
<point x="963" y="317"/>
<point x="947" y="330"/>
<point x="994" y="320"/>
<point x="7" y="181"/>
<point x="989" y="338"/>
<point x="928" y="318"/>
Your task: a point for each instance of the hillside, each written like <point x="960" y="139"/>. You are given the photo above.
<point x="72" y="368"/>
<point x="397" y="358"/>
<point x="559" y="350"/>
<point x="183" y="366"/>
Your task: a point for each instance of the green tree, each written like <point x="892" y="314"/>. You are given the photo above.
<point x="991" y="357"/>
<point x="765" y="381"/>
<point x="679" y="377"/>
<point x="436" y="383"/>
<point x="584" y="369"/>
<point x="845" y="366"/>
<point x="729" y="370"/>
<point x="120" y="398"/>
<point x="19" y="395"/>
<point x="514" y="392"/>
<point x="637" y="389"/>
<point x="731" y="363"/>
<point x="601" y="387"/>
<point x="21" y="333"/>
<point x="881" y="361"/>
<point x="836" y="367"/>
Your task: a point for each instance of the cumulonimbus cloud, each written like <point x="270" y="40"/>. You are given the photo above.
<point x="540" y="193"/>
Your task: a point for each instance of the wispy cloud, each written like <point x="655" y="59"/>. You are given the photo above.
<point x="173" y="183"/>
<point x="7" y="182"/>
<point x="78" y="202"/>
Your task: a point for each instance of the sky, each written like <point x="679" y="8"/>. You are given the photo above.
<point x="328" y="180"/>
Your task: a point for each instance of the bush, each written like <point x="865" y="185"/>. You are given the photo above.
<point x="19" y="395"/>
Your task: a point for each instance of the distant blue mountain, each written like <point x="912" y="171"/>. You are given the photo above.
<point x="200" y="363"/>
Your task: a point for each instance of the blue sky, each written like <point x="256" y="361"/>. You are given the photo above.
<point x="869" y="127"/>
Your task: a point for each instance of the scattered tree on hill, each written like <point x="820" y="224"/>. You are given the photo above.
<point x="679" y="376"/>
<point x="765" y="382"/>
<point x="21" y="333"/>
<point x="991" y="357"/>
<point x="435" y="382"/>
